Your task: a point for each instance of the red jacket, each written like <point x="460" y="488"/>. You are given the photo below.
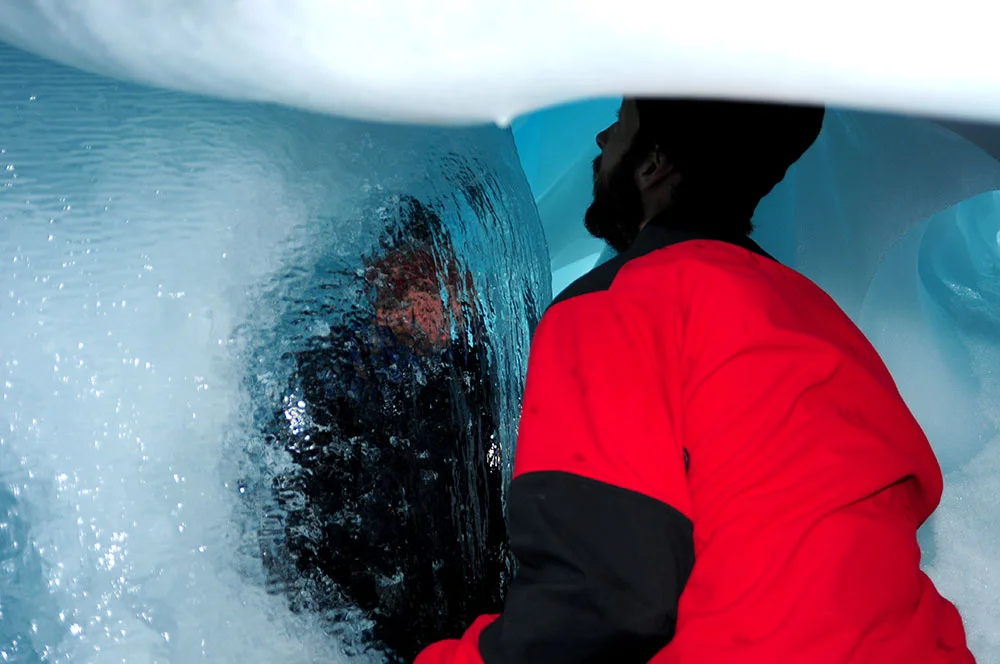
<point x="713" y="465"/>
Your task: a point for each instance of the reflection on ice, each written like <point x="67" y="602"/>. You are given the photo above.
<point x="143" y="234"/>
<point x="390" y="508"/>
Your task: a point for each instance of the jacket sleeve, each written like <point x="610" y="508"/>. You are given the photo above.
<point x="598" y="507"/>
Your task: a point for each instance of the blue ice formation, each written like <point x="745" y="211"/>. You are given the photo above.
<point x="141" y="227"/>
<point x="149" y="240"/>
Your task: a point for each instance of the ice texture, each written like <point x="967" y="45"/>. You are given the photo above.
<point x="462" y="61"/>
<point x="149" y="241"/>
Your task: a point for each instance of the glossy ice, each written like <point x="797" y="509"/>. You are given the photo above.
<point x="150" y="241"/>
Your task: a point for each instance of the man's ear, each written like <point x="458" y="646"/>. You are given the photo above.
<point x="653" y="169"/>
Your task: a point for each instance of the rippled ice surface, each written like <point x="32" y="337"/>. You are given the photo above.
<point x="153" y="246"/>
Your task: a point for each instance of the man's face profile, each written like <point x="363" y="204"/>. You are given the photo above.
<point x="616" y="212"/>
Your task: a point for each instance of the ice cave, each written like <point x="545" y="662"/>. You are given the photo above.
<point x="206" y="212"/>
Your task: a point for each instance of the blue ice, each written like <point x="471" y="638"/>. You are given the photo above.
<point x="145" y="236"/>
<point x="141" y="226"/>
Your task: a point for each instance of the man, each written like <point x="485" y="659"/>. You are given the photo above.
<point x="394" y="502"/>
<point x="713" y="464"/>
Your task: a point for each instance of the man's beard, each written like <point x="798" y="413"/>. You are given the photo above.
<point x="616" y="214"/>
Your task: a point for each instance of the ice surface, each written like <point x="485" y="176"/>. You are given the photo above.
<point x="380" y="443"/>
<point x="935" y="310"/>
<point x="965" y="543"/>
<point x="455" y="60"/>
<point x="145" y="237"/>
<point x="892" y="215"/>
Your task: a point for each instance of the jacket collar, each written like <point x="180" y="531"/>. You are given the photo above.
<point x="664" y="230"/>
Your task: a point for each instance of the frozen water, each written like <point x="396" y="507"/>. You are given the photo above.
<point x="390" y="436"/>
<point x="146" y="238"/>
<point x="959" y="288"/>
<point x="456" y="60"/>
<point x="965" y="565"/>
<point x="932" y="313"/>
<point x="180" y="222"/>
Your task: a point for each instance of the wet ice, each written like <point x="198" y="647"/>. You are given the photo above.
<point x="153" y="243"/>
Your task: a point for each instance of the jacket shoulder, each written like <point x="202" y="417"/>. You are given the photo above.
<point x="649" y="250"/>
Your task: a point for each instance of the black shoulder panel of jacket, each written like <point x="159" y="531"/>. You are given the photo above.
<point x="585" y="590"/>
<point x="654" y="236"/>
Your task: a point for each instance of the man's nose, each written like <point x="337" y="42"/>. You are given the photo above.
<point x="602" y="138"/>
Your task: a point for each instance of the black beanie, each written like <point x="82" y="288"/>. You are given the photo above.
<point x="740" y="148"/>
